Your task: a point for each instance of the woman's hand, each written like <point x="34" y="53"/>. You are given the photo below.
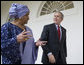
<point x="22" y="37"/>
<point x="41" y="43"/>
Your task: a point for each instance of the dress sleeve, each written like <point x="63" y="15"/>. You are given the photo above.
<point x="6" y="39"/>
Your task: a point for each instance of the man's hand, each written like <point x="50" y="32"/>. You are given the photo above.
<point x="52" y="59"/>
<point x="41" y="43"/>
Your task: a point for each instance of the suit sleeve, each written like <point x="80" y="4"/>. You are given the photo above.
<point x="44" y="37"/>
<point x="65" y="45"/>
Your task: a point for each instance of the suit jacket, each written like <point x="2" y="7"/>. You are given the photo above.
<point x="54" y="45"/>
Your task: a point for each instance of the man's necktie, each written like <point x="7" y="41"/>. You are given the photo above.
<point x="59" y="32"/>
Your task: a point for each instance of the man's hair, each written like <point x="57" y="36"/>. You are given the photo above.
<point x="60" y="13"/>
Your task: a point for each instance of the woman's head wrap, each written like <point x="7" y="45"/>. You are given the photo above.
<point x="18" y="10"/>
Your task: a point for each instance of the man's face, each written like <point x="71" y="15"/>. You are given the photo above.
<point x="58" y="18"/>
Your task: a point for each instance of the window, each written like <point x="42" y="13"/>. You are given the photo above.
<point x="53" y="6"/>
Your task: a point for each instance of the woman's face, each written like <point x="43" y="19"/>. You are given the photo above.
<point x="25" y="18"/>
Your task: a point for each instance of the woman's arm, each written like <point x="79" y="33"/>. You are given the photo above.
<point x="5" y="39"/>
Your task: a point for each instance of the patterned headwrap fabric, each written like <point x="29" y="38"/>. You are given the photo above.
<point x="17" y="10"/>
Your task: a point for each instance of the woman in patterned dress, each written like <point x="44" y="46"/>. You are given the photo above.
<point x="17" y="42"/>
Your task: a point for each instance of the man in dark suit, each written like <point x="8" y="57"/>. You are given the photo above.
<point x="55" y="51"/>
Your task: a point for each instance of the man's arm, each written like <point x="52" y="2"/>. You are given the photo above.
<point x="65" y="45"/>
<point x="44" y="37"/>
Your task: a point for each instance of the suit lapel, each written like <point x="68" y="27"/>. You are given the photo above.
<point x="55" y="31"/>
<point x="62" y="34"/>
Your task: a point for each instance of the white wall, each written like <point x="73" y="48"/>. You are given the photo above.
<point x="73" y="22"/>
